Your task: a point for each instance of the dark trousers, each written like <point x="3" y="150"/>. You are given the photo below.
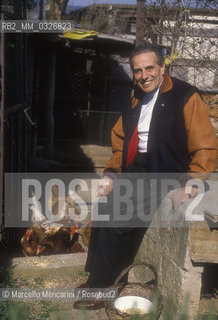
<point x="113" y="249"/>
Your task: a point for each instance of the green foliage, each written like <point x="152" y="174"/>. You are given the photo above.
<point x="3" y="311"/>
<point x="16" y="312"/>
<point x="170" y="312"/>
<point x="5" y="279"/>
<point x="209" y="315"/>
<point x="13" y="311"/>
<point x="28" y="310"/>
<point x="82" y="315"/>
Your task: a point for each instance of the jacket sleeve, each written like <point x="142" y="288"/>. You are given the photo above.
<point x="117" y="138"/>
<point x="201" y="138"/>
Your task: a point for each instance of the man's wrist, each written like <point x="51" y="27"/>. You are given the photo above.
<point x="111" y="174"/>
<point x="191" y="191"/>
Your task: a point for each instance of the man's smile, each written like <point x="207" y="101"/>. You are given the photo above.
<point x="147" y="72"/>
<point x="145" y="82"/>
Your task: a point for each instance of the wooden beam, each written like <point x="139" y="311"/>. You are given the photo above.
<point x="140" y="28"/>
<point x="2" y="79"/>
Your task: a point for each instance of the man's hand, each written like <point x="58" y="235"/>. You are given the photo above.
<point x="105" y="186"/>
<point x="179" y="196"/>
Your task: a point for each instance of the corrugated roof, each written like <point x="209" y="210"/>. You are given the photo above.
<point x="80" y="34"/>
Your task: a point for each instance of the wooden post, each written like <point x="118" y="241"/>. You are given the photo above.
<point x="140" y="29"/>
<point x="2" y="78"/>
<point x="41" y="6"/>
<point x="49" y="145"/>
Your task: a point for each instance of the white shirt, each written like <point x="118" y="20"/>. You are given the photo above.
<point x="145" y="120"/>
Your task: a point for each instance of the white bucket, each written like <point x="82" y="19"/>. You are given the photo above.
<point x="133" y="304"/>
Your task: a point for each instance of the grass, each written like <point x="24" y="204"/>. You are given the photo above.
<point x="40" y="310"/>
<point x="170" y="312"/>
<point x="33" y="309"/>
<point x="24" y="310"/>
<point x="20" y="311"/>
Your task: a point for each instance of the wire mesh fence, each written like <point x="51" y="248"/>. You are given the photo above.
<point x="189" y="33"/>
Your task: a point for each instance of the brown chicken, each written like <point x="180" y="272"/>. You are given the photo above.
<point x="58" y="240"/>
<point x="32" y="238"/>
<point x="51" y="240"/>
<point x="63" y="204"/>
<point x="74" y="233"/>
<point x="86" y="233"/>
<point x="76" y="248"/>
<point x="46" y="237"/>
<point x="43" y="250"/>
<point x="29" y="245"/>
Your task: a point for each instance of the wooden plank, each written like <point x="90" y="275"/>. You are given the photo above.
<point x="203" y="243"/>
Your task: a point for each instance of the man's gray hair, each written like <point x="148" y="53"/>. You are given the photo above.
<point x="148" y="47"/>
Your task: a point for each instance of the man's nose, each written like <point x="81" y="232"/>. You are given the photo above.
<point x="144" y="74"/>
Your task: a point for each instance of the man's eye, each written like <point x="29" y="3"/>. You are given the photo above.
<point x="137" y="71"/>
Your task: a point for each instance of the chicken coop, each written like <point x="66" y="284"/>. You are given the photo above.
<point x="15" y="105"/>
<point x="56" y="94"/>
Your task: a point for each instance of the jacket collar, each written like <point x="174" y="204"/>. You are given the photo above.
<point x="166" y="85"/>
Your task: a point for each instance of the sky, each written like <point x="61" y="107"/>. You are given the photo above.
<point x="89" y="2"/>
<point x="193" y="3"/>
<point x="212" y="4"/>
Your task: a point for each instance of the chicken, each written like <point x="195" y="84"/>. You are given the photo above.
<point x="47" y="236"/>
<point x="51" y="227"/>
<point x="74" y="237"/>
<point x="29" y="245"/>
<point x="37" y="216"/>
<point x="43" y="249"/>
<point x="37" y="234"/>
<point x="32" y="238"/>
<point x="59" y="241"/>
<point x="70" y="203"/>
<point x="51" y="238"/>
<point x="74" y="233"/>
<point x="61" y="205"/>
<point x="76" y="247"/>
<point x="86" y="233"/>
<point x="57" y="204"/>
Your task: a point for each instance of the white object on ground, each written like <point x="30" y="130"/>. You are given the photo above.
<point x="126" y="303"/>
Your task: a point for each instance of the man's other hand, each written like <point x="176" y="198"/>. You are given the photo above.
<point x="179" y="196"/>
<point x="105" y="186"/>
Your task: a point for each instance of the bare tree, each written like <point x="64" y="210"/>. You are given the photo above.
<point x="188" y="31"/>
<point x="56" y="9"/>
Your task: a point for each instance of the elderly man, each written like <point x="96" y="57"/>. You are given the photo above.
<point x="166" y="130"/>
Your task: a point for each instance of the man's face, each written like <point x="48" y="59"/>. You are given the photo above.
<point x="147" y="73"/>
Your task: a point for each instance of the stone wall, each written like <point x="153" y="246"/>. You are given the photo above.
<point x="166" y="246"/>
